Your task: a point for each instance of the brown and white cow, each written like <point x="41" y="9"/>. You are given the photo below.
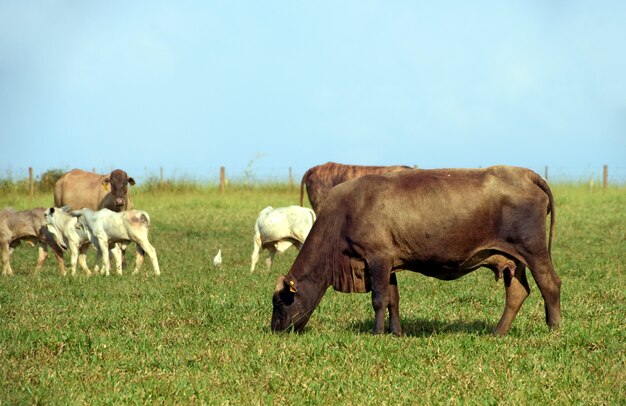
<point x="78" y="189"/>
<point x="441" y="223"/>
<point x="321" y="178"/>
<point x="29" y="226"/>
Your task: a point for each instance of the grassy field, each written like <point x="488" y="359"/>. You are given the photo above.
<point x="201" y="335"/>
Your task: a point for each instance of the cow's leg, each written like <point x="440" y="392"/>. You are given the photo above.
<point x="123" y="254"/>
<point x="147" y="248"/>
<point x="270" y="260"/>
<point x="103" y="255"/>
<point x="380" y="275"/>
<point x="6" y="256"/>
<point x="58" y="255"/>
<point x="394" y="306"/>
<point x="82" y="259"/>
<point x="118" y="257"/>
<point x="517" y="291"/>
<point x="255" y="252"/>
<point x="42" y="254"/>
<point x="550" y="287"/>
<point x="73" y="259"/>
<point x="139" y="258"/>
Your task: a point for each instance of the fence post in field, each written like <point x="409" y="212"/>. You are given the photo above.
<point x="93" y="170"/>
<point x="222" y="179"/>
<point x="605" y="177"/>
<point x="290" y="180"/>
<point x="161" y="176"/>
<point x="546" y="173"/>
<point x="31" y="181"/>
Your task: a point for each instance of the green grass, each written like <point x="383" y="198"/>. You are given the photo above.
<point x="201" y="335"/>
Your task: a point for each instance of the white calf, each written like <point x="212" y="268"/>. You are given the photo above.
<point x="280" y="228"/>
<point x="107" y="228"/>
<point x="73" y="236"/>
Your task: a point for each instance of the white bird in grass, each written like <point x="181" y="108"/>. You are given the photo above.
<point x="217" y="259"/>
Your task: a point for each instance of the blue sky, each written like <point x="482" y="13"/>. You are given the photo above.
<point x="267" y="85"/>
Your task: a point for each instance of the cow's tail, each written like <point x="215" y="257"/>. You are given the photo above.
<point x="144" y="218"/>
<point x="305" y="178"/>
<point x="543" y="184"/>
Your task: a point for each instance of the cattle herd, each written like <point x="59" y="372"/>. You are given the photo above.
<point x="367" y="223"/>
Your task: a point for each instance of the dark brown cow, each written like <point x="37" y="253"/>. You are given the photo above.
<point x="79" y="189"/>
<point x="320" y="179"/>
<point x="441" y="223"/>
<point x="29" y="226"/>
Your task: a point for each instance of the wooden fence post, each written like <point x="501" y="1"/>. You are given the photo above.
<point x="290" y="180"/>
<point x="161" y="176"/>
<point x="222" y="179"/>
<point x="546" y="173"/>
<point x="31" y="181"/>
<point x="605" y="177"/>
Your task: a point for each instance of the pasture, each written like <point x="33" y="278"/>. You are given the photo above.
<point x="201" y="335"/>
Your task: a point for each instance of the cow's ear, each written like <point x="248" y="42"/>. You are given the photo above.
<point x="131" y="181"/>
<point x="66" y="209"/>
<point x="291" y="285"/>
<point x="51" y="210"/>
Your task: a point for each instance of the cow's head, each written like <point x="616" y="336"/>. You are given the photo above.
<point x="292" y="306"/>
<point x="118" y="181"/>
<point x="51" y="228"/>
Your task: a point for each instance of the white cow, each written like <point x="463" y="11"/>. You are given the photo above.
<point x="280" y="228"/>
<point x="107" y="227"/>
<point x="73" y="236"/>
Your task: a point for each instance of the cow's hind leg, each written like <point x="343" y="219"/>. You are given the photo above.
<point x="255" y="252"/>
<point x="517" y="290"/>
<point x="394" y="306"/>
<point x="149" y="249"/>
<point x="146" y="248"/>
<point x="270" y="260"/>
<point x="549" y="285"/>
<point x="139" y="258"/>
<point x="380" y="275"/>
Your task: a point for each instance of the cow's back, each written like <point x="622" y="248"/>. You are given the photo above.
<point x="320" y="179"/>
<point x="461" y="210"/>
<point x="79" y="189"/>
<point x="285" y="222"/>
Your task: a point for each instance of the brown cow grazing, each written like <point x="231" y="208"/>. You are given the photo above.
<point x="441" y="223"/>
<point x="29" y="226"/>
<point x="78" y="189"/>
<point x="320" y="179"/>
